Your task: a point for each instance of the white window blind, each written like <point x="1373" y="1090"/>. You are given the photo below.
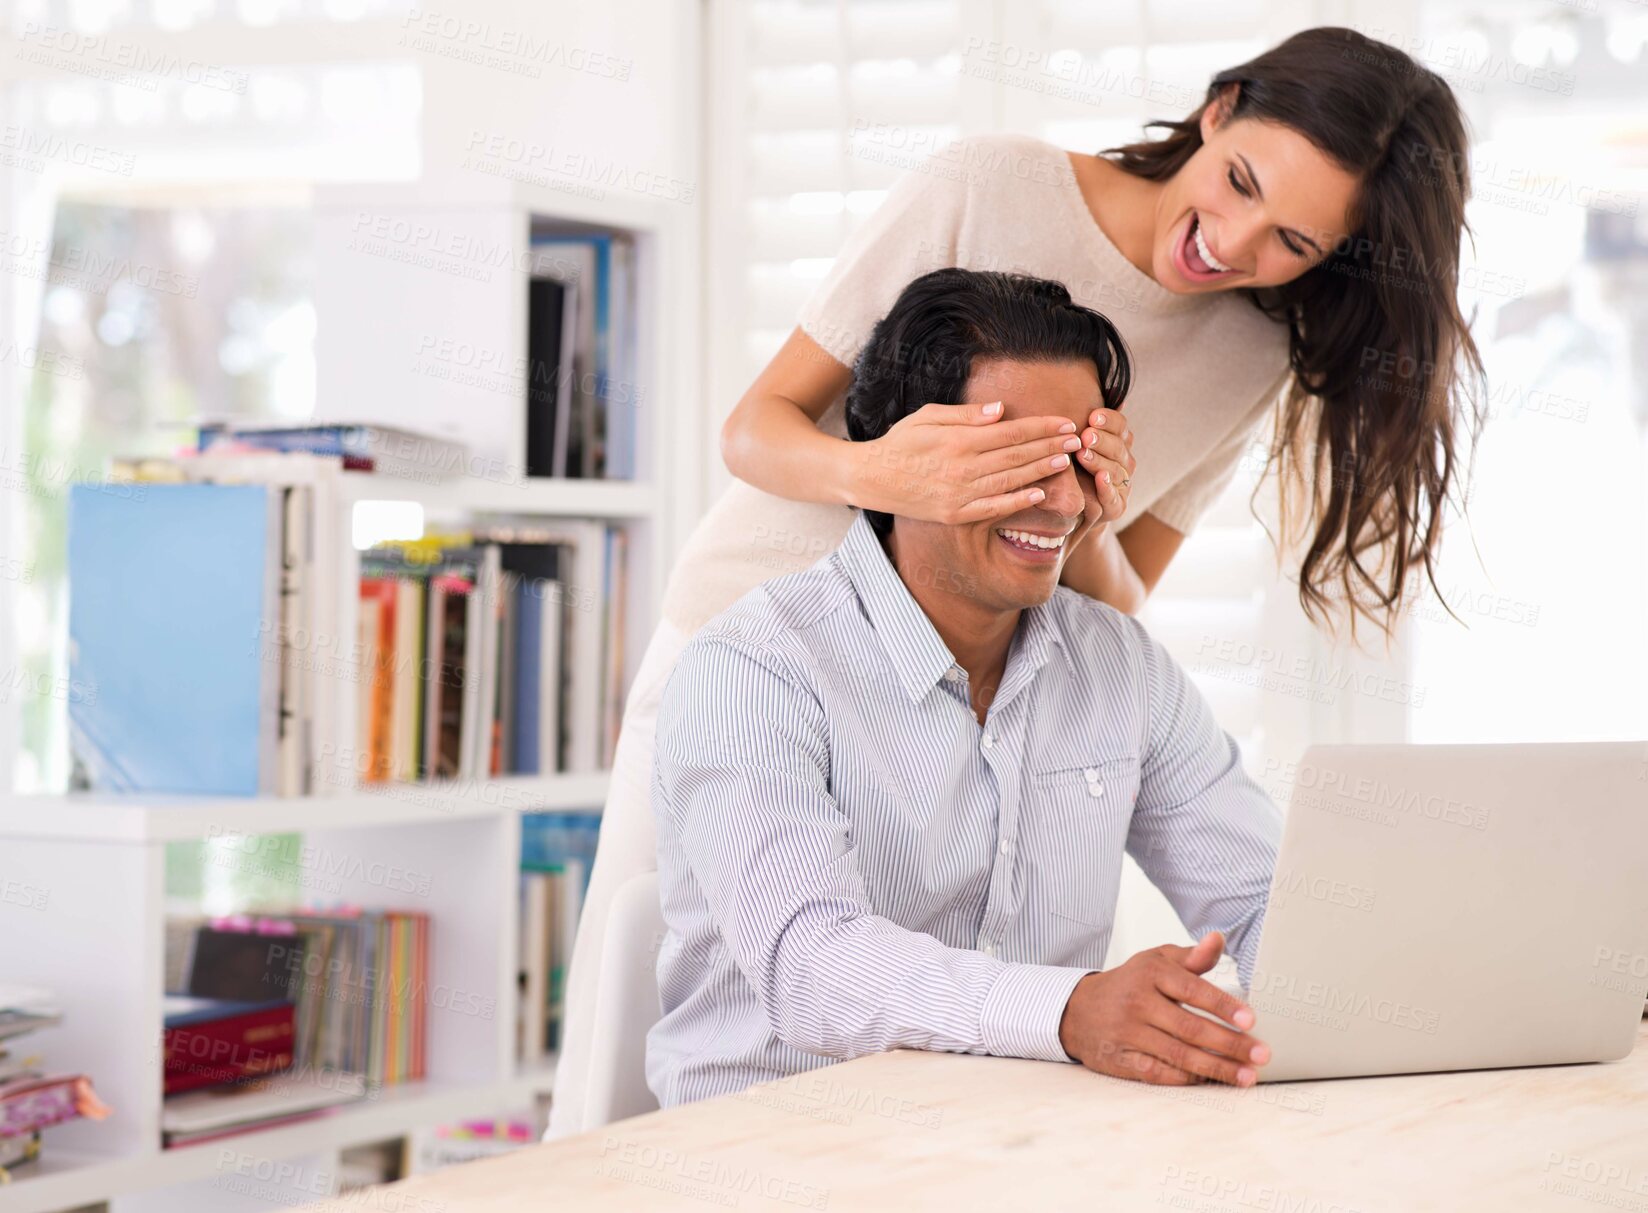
<point x="817" y="80"/>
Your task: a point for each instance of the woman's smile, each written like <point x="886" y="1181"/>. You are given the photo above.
<point x="1194" y="259"/>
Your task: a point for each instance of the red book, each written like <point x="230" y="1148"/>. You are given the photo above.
<point x="210" y="1041"/>
<point x="377" y="673"/>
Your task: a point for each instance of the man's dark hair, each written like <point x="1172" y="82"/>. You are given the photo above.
<point x="922" y="351"/>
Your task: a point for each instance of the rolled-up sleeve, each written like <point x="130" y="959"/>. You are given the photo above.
<point x="1203" y="831"/>
<point x="741" y="782"/>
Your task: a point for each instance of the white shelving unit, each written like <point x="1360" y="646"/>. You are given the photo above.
<point x="159" y="819"/>
<point x="98" y="943"/>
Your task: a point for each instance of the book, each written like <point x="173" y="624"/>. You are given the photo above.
<point x="575" y="262"/>
<point x="551" y="336"/>
<point x="171" y="595"/>
<point x="509" y="662"/>
<point x="612" y="692"/>
<point x="569" y="892"/>
<point x="294" y="740"/>
<point x="532" y="1020"/>
<point x="366" y="635"/>
<point x="377" y="634"/>
<point x="620" y="390"/>
<point x="204" y="1115"/>
<point x="449" y="634"/>
<point x="206" y="1042"/>
<point x="404" y="749"/>
<point x="549" y="839"/>
<point x="481" y="657"/>
<point x="247" y="966"/>
<point x="386" y="450"/>
<point x="401" y="579"/>
<point x="538" y="606"/>
<point x="583" y="623"/>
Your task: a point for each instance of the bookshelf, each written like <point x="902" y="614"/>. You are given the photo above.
<point x="99" y="943"/>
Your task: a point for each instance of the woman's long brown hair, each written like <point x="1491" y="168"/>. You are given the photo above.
<point x="1386" y="384"/>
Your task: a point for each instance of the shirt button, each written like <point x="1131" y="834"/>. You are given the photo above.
<point x="988" y="949"/>
<point x="1006" y="846"/>
<point x="988" y="741"/>
<point x="1090" y="774"/>
<point x="1095" y="789"/>
<point x="952" y="675"/>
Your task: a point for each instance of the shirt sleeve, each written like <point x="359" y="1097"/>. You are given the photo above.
<point x="1183" y="505"/>
<point x="912" y="232"/>
<point x="1203" y="830"/>
<point x="741" y="780"/>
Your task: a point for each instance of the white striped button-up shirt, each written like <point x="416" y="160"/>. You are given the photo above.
<point x="849" y="862"/>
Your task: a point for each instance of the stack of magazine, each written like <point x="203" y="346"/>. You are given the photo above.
<point x="31" y="1099"/>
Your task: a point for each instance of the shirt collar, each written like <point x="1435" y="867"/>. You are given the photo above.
<point x="917" y="652"/>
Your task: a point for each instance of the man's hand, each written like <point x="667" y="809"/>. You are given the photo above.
<point x="1127" y="1021"/>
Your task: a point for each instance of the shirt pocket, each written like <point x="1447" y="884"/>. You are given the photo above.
<point x="1076" y="821"/>
<point x="1100" y="788"/>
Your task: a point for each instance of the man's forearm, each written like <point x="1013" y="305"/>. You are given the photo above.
<point x="866" y="985"/>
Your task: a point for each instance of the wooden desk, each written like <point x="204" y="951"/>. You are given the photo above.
<point x="912" y="1131"/>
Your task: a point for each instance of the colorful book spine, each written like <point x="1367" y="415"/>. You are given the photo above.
<point x="379" y="599"/>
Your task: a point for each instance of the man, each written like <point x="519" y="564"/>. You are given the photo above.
<point x="893" y="791"/>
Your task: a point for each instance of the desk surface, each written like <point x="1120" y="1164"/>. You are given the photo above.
<point x="912" y="1131"/>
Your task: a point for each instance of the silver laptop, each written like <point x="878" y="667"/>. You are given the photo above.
<point x="1455" y="907"/>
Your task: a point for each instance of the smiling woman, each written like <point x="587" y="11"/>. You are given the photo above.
<point x="1356" y="250"/>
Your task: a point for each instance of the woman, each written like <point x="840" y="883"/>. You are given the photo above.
<point x="1294" y="243"/>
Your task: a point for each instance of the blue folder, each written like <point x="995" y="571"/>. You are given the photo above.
<point x="173" y="636"/>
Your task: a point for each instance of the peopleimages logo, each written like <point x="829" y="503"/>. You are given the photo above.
<point x="702" y="1177"/>
<point x="1317" y="787"/>
<point x="1281" y="993"/>
<point x="1322" y="888"/>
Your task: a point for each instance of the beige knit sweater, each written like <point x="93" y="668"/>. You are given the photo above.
<point x="1206" y="369"/>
